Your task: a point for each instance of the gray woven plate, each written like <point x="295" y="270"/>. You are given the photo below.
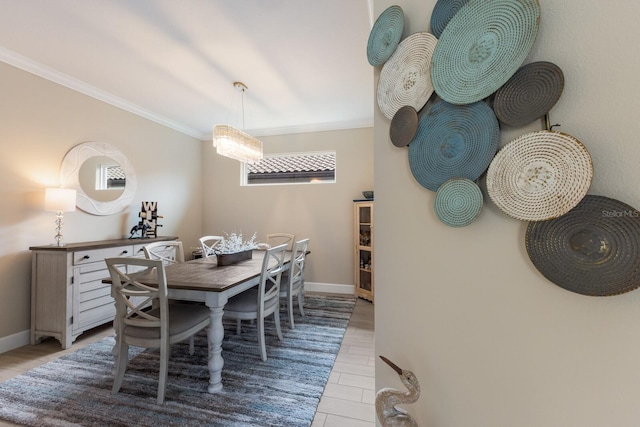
<point x="482" y="46"/>
<point x="458" y="202"/>
<point x="385" y="35"/>
<point x="405" y="78"/>
<point x="403" y="126"/>
<point x="529" y="94"/>
<point x="592" y="250"/>
<point x="539" y="176"/>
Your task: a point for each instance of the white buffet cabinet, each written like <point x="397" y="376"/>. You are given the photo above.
<point x="67" y="293"/>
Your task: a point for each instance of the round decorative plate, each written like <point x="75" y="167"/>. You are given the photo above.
<point x="405" y="78"/>
<point x="458" y="202"/>
<point x="403" y="126"/>
<point x="529" y="94"/>
<point x="385" y="35"/>
<point x="539" y="176"/>
<point x="594" y="249"/>
<point x="442" y="13"/>
<point x="482" y="46"/>
<point x="453" y="141"/>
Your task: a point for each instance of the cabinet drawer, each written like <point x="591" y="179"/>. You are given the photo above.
<point x="93" y="255"/>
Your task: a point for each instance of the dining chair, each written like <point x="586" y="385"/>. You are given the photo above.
<point x="293" y="278"/>
<point x="208" y="244"/>
<point x="261" y="301"/>
<point x="275" y="239"/>
<point x="138" y="325"/>
<point x="169" y="252"/>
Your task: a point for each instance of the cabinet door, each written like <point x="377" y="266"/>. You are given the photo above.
<point x="364" y="250"/>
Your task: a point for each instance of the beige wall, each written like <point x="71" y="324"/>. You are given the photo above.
<point x="493" y="343"/>
<point x="39" y="122"/>
<point x="322" y="212"/>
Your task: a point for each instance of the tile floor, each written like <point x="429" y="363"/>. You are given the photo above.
<point x="348" y="399"/>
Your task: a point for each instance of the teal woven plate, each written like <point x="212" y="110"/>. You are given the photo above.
<point x="442" y="13"/>
<point x="453" y="141"/>
<point x="458" y="202"/>
<point x="482" y="46"/>
<point x="385" y="35"/>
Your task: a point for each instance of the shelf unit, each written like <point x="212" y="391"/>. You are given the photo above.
<point x="363" y="248"/>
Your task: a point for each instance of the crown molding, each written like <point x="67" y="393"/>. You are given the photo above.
<point x="50" y="74"/>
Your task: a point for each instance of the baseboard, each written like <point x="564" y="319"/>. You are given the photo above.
<point x="330" y="288"/>
<point x="15" y="341"/>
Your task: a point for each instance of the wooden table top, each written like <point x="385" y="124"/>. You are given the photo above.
<point x="204" y="274"/>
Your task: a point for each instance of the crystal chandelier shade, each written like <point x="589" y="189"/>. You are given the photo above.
<point x="234" y="143"/>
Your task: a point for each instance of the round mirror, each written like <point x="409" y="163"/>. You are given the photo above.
<point x="102" y="176"/>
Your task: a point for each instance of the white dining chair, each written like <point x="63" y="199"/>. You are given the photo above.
<point x="293" y="279"/>
<point x="208" y="244"/>
<point x="276" y="239"/>
<point x="137" y="325"/>
<point x="169" y="252"/>
<point x="261" y="301"/>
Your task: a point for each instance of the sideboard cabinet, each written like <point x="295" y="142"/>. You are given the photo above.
<point x="67" y="293"/>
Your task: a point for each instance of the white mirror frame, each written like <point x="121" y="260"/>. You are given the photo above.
<point x="69" y="177"/>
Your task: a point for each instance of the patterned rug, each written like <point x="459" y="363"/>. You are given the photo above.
<point x="75" y="390"/>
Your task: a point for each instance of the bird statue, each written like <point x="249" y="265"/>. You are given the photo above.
<point x="388" y="398"/>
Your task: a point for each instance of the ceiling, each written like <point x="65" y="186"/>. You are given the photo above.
<point x="304" y="61"/>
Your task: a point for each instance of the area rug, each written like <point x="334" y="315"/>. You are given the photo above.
<point x="75" y="389"/>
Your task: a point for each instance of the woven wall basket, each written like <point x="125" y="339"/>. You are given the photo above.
<point x="442" y="13"/>
<point x="458" y="202"/>
<point x="482" y="46"/>
<point x="453" y="141"/>
<point x="539" y="176"/>
<point x="529" y="94"/>
<point x="404" y="126"/>
<point x="405" y="78"/>
<point x="592" y="250"/>
<point x="385" y="35"/>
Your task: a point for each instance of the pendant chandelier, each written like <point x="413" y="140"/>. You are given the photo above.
<point x="234" y="143"/>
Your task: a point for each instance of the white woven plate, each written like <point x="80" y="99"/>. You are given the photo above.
<point x="539" y="176"/>
<point x="405" y="78"/>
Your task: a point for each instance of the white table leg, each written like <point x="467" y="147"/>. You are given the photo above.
<point x="216" y="303"/>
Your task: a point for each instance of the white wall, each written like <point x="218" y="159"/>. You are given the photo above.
<point x="39" y="122"/>
<point x="494" y="343"/>
<point x="322" y="212"/>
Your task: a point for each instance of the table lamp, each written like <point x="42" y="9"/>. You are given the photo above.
<point x="59" y="200"/>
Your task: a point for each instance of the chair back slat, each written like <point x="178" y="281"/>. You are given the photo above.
<point x="272" y="268"/>
<point x="208" y="245"/>
<point x="276" y="239"/>
<point x="132" y="298"/>
<point x="169" y="252"/>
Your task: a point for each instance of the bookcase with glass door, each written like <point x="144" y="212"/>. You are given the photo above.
<point x="363" y="248"/>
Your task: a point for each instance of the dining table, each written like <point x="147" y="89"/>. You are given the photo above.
<point x="204" y="280"/>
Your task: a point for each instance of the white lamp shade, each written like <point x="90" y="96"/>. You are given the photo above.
<point x="60" y="199"/>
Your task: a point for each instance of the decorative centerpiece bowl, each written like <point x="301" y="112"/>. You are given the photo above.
<point x="232" y="249"/>
<point x="368" y="194"/>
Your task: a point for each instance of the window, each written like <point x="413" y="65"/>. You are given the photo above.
<point x="291" y="168"/>
<point x="110" y="177"/>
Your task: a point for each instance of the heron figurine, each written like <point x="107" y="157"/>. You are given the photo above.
<point x="388" y="398"/>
